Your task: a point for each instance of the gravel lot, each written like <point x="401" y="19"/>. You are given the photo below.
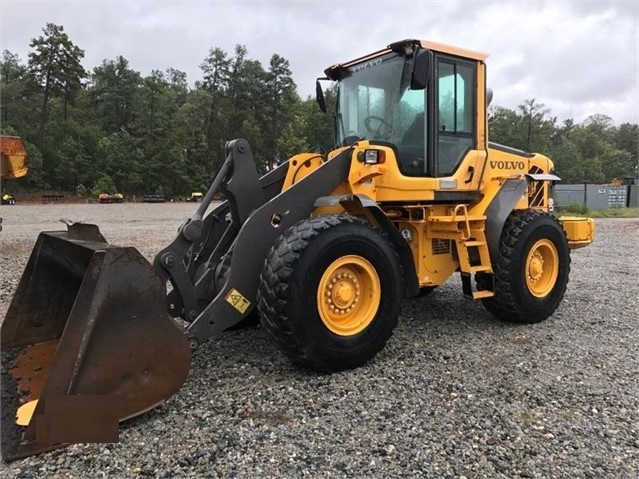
<point x="454" y="394"/>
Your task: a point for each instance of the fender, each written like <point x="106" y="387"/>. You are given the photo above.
<point x="499" y="209"/>
<point x="362" y="205"/>
<point x="502" y="205"/>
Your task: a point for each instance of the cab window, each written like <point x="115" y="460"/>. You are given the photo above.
<point x="456" y="114"/>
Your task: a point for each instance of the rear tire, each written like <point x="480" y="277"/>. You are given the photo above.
<point x="330" y="292"/>
<point x="532" y="271"/>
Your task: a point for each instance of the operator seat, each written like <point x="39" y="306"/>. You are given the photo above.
<point x="411" y="149"/>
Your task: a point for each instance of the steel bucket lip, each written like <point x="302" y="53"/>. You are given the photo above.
<point x="117" y="317"/>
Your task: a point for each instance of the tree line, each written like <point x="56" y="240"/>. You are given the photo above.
<point x="115" y="130"/>
<point x="594" y="151"/>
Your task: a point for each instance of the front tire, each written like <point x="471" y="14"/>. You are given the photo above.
<point x="330" y="292"/>
<point x="532" y="270"/>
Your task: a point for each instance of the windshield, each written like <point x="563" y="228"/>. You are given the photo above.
<point x="375" y="102"/>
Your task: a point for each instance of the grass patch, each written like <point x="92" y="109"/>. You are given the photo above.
<point x="582" y="210"/>
<point x="616" y="213"/>
<point x="574" y="209"/>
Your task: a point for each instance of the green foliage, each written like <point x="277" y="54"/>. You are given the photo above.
<point x="289" y="141"/>
<point x="81" y="191"/>
<point x="318" y="127"/>
<point x="55" y="61"/>
<point x="13" y="84"/>
<point x="616" y="213"/>
<point x="104" y="184"/>
<point x="574" y="209"/>
<point x="54" y="65"/>
<point x="595" y="151"/>
<point x="582" y="210"/>
<point x="112" y="94"/>
<point x="118" y="156"/>
<point x="281" y="100"/>
<point x="115" y="130"/>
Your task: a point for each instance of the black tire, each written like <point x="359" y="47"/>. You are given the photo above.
<point x="524" y="292"/>
<point x="301" y="263"/>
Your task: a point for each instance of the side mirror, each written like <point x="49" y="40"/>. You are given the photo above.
<point x="421" y="67"/>
<point x="319" y="96"/>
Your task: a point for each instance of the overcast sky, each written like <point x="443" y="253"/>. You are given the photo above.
<point x="577" y="57"/>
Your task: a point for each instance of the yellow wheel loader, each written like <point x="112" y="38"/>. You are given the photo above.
<point x="325" y="248"/>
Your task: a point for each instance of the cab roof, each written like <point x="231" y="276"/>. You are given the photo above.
<point x="407" y="44"/>
<point x="453" y="50"/>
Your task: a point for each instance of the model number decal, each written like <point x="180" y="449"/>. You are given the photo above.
<point x="507" y="165"/>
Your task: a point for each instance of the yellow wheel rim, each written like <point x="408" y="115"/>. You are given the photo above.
<point x="348" y="295"/>
<point x="542" y="268"/>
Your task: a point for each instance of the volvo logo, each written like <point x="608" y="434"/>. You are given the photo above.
<point x="507" y="165"/>
<point x="365" y="65"/>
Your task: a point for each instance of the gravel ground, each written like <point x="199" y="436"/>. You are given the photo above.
<point x="454" y="394"/>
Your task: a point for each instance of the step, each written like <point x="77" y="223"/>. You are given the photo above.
<point x="457" y="219"/>
<point x="474" y="243"/>
<point x="468" y="289"/>
<point x="482" y="294"/>
<point x="480" y="269"/>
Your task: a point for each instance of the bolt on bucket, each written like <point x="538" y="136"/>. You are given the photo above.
<point x="86" y="343"/>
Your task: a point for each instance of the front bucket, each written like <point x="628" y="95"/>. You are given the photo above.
<point x="88" y="336"/>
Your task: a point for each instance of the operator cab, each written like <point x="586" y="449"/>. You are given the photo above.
<point x="420" y="101"/>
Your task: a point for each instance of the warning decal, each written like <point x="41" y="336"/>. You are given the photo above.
<point x="239" y="302"/>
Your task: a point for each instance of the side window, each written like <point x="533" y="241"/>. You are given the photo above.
<point x="456" y="122"/>
<point x="409" y="121"/>
<point x="371" y="101"/>
<point x="358" y="104"/>
<point x="410" y="135"/>
<point x="371" y="112"/>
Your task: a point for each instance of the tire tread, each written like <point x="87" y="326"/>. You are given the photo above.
<point x="504" y="305"/>
<point x="275" y="281"/>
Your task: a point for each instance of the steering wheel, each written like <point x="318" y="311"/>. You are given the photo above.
<point x="383" y="129"/>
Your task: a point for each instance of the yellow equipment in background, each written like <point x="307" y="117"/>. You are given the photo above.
<point x="196" y="197"/>
<point x="7" y="199"/>
<point x="13" y="158"/>
<point x="108" y="198"/>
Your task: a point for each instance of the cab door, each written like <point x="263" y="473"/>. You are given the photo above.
<point x="458" y="129"/>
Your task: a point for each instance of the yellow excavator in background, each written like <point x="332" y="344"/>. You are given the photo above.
<point x="325" y="248"/>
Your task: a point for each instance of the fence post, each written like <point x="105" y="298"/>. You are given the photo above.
<point x="585" y="194"/>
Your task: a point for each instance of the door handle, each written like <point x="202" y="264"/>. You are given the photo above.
<point x="471" y="173"/>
